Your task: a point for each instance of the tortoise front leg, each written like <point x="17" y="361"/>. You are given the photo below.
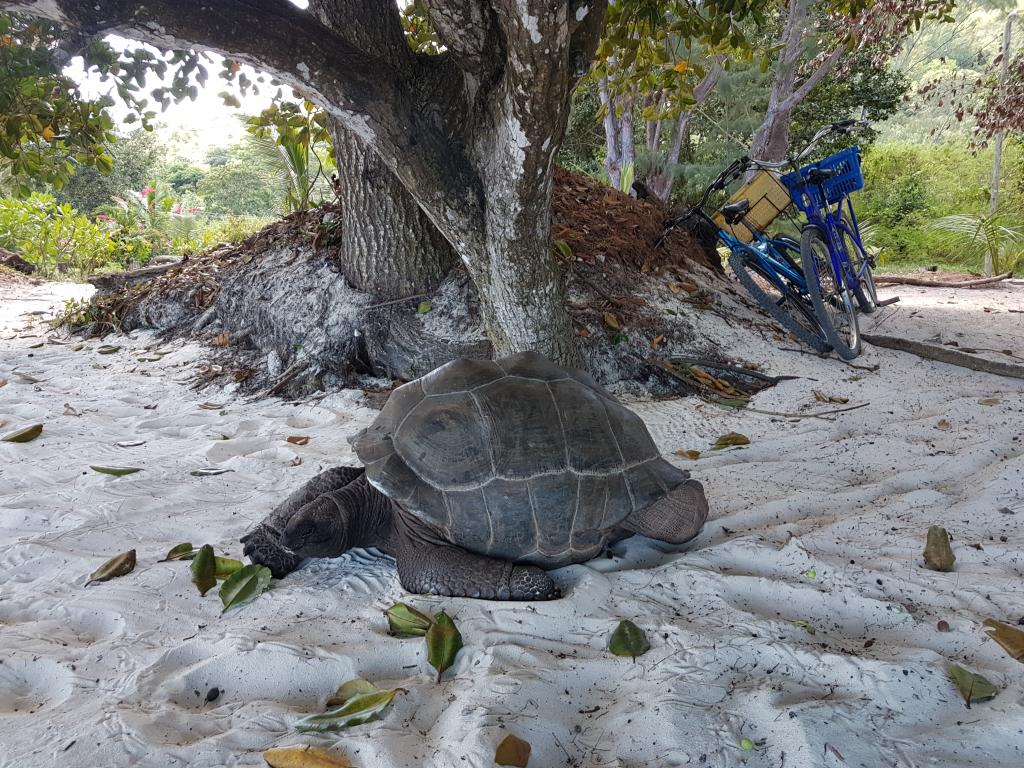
<point x="262" y="543"/>
<point x="428" y="566"/>
<point x="675" y="518"/>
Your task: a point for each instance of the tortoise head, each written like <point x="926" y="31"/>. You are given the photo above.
<point x="319" y="529"/>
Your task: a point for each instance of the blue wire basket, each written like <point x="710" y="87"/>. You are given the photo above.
<point x="848" y="179"/>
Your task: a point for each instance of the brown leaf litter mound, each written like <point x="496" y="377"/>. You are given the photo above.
<point x="603" y="229"/>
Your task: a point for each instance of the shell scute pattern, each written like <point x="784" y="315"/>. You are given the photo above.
<point x="515" y="458"/>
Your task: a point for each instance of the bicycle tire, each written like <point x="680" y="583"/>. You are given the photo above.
<point x="745" y="268"/>
<point x="832" y="302"/>
<point x="864" y="291"/>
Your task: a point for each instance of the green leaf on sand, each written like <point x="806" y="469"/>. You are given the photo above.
<point x="244" y="585"/>
<point x="731" y="439"/>
<point x="116" y="566"/>
<point x="628" y="640"/>
<point x="513" y="751"/>
<point x="972" y="686"/>
<point x="746" y="745"/>
<point x="424" y="307"/>
<point x="23" y="435"/>
<point x="443" y="643"/>
<point x="108" y="349"/>
<point x="406" y="621"/>
<point x="204" y="569"/>
<point x="938" y="556"/>
<point x="115" y="471"/>
<point x="361" y="702"/>
<point x="180" y="552"/>
<point x="225" y="566"/>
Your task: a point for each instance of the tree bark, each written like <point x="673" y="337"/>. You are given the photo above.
<point x="470" y="134"/>
<point x="386" y="245"/>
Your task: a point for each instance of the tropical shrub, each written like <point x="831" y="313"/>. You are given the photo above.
<point x="54" y="237"/>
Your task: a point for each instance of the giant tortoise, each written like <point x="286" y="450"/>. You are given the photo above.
<point x="480" y="475"/>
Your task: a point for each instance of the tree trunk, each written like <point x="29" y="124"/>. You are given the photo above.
<point x="386" y="245"/>
<point x="612" y="137"/>
<point x="471" y="133"/>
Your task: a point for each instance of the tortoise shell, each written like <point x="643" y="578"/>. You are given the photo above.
<point x="515" y="458"/>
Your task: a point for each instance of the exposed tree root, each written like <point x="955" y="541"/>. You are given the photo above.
<point x="946" y="355"/>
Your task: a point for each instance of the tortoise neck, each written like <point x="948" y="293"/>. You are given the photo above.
<point x="369" y="516"/>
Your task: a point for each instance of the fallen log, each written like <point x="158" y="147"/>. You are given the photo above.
<point x="946" y="355"/>
<point x="116" y="281"/>
<point x="897" y="280"/>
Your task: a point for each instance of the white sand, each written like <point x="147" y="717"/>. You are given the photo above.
<point x="116" y="674"/>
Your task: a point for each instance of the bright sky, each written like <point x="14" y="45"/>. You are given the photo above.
<point x="196" y="125"/>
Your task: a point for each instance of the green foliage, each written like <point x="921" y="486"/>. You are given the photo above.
<point x="240" y="187"/>
<point x="57" y="239"/>
<point x="135" y="158"/>
<point x="908" y="187"/>
<point x="985" y="235"/>
<point x="183" y="176"/>
<point x="286" y="134"/>
<point x="217" y="231"/>
<point x="46" y="127"/>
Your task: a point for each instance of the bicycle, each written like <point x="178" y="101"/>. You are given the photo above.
<point x="767" y="267"/>
<point x="837" y="267"/>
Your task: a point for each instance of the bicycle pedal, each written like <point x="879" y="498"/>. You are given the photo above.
<point x="887" y="302"/>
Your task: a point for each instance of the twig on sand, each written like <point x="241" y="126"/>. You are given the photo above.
<point x="947" y="355"/>
<point x="396" y="301"/>
<point x="896" y="280"/>
<point x="819" y="415"/>
<point x="290" y="373"/>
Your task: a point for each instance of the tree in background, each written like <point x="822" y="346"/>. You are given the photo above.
<point x="134" y="159"/>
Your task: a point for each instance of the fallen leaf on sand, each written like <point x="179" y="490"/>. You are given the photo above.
<point x="108" y="349"/>
<point x="211" y="406"/>
<point x="115" y="471"/>
<point x="628" y="640"/>
<point x="406" y="621"/>
<point x="114" y="567"/>
<point x="70" y="410"/>
<point x="730" y="439"/>
<point x="221" y="339"/>
<point x="299" y="439"/>
<point x="657" y="341"/>
<point x="209" y="471"/>
<point x="943" y="424"/>
<point x="443" y="643"/>
<point x="972" y="686"/>
<point x="688" y="454"/>
<point x="244" y="585"/>
<point x="363" y="702"/>
<point x="204" y="569"/>
<point x="3" y="382"/>
<point x="612" y="321"/>
<point x="424" y="307"/>
<point x="989" y="401"/>
<point x="180" y="552"/>
<point x="304" y="757"/>
<point x="1010" y="638"/>
<point x="24" y="435"/>
<point x="938" y="555"/>
<point x="821" y="397"/>
<point x="130" y="443"/>
<point x="513" y="751"/>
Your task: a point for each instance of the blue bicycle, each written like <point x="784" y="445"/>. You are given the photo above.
<point x="836" y="266"/>
<point x="768" y="267"/>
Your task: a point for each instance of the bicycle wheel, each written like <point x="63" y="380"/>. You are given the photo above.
<point x="785" y="304"/>
<point x="832" y="302"/>
<point x="864" y="291"/>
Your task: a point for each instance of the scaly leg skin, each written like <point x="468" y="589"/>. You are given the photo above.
<point x="676" y="518"/>
<point x="427" y="566"/>
<point x="262" y="543"/>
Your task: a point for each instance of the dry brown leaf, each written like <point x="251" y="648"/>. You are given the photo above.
<point x="612" y="321"/>
<point x="304" y="757"/>
<point x="3" y="382"/>
<point x="1010" y="638"/>
<point x="989" y="401"/>
<point x="657" y="341"/>
<point x="513" y="751"/>
<point x="582" y="331"/>
<point x="821" y="397"/>
<point x="221" y="339"/>
<point x="299" y="439"/>
<point x="943" y="424"/>
<point x="211" y="406"/>
<point x="694" y="455"/>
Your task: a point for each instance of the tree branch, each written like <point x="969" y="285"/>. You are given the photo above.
<point x="815" y="77"/>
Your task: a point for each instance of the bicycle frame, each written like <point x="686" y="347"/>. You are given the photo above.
<point x="829" y="219"/>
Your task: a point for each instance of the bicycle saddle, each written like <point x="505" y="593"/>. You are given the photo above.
<point x="733" y="212"/>
<point x="818" y="175"/>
